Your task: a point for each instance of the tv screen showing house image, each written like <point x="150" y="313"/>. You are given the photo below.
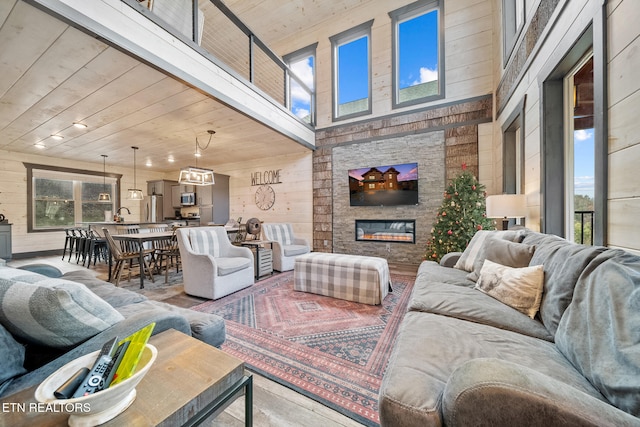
<point x="384" y="185"/>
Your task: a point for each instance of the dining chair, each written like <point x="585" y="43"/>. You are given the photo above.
<point x="121" y="256"/>
<point x="168" y="251"/>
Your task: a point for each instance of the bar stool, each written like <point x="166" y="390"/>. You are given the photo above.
<point x="97" y="247"/>
<point x="69" y="242"/>
<point x="84" y="243"/>
<point x="76" y="242"/>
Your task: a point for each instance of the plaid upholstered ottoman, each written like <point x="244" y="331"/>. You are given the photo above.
<point x="349" y="277"/>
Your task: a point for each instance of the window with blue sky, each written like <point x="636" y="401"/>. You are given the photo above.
<point x="352" y="72"/>
<point x="302" y="83"/>
<point x="417" y="64"/>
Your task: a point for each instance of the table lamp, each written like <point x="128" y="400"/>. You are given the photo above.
<point x="506" y="206"/>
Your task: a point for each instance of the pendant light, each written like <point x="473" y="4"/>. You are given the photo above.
<point x="104" y="196"/>
<point x="134" y="193"/>
<point x="193" y="175"/>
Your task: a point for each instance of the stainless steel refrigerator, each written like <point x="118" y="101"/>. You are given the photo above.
<point x="152" y="209"/>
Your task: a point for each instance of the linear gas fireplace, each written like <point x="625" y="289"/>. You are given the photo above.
<point x="386" y="230"/>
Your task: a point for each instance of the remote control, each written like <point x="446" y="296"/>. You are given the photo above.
<point x="115" y="362"/>
<point x="94" y="381"/>
<point x="66" y="390"/>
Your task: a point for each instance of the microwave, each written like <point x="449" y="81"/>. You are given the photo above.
<point x="187" y="199"/>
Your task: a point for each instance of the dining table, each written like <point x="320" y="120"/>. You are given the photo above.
<point x="139" y="239"/>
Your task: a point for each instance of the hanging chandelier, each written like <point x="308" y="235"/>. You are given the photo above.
<point x="104" y="196"/>
<point x="134" y="193"/>
<point x="193" y="175"/>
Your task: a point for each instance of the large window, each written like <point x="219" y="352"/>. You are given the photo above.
<point x="301" y="88"/>
<point x="417" y="53"/>
<point x="513" y="18"/>
<point x="60" y="197"/>
<point x="352" y="72"/>
<point x="574" y="139"/>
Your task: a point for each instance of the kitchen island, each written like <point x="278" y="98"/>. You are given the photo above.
<point x="112" y="225"/>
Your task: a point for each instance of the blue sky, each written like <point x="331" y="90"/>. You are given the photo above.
<point x="583" y="157"/>
<point x="418" y="63"/>
<point x="418" y="40"/>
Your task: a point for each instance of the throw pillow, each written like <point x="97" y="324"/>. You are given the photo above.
<point x="11" y="359"/>
<point x="519" y="288"/>
<point x="468" y="257"/>
<point x="53" y="312"/>
<point x="503" y="252"/>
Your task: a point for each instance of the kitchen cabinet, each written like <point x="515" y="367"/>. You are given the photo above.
<point x="5" y="241"/>
<point x="214" y="201"/>
<point x="160" y="187"/>
<point x="177" y="189"/>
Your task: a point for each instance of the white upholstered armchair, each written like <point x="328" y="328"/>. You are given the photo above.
<point x="286" y="246"/>
<point x="211" y="266"/>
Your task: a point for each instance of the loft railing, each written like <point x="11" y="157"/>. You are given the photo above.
<point x="229" y="43"/>
<point x="583" y="230"/>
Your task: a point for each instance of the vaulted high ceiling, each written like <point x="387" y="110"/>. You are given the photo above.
<point x="52" y="75"/>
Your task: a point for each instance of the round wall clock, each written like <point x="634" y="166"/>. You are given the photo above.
<point x="265" y="197"/>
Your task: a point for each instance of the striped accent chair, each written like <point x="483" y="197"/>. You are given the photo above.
<point x="286" y="246"/>
<point x="211" y="266"/>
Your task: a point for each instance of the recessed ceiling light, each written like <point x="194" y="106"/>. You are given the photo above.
<point x="39" y="145"/>
<point x="197" y="154"/>
<point x="148" y="163"/>
<point x="79" y="125"/>
<point x="170" y="159"/>
<point x="57" y="137"/>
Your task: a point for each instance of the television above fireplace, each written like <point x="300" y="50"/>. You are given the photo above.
<point x="389" y="185"/>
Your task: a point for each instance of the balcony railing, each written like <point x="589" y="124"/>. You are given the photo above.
<point x="212" y="29"/>
<point x="583" y="231"/>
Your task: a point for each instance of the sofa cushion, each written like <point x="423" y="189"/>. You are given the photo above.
<point x="431" y="271"/>
<point x="502" y="251"/>
<point x="466" y="303"/>
<point x="11" y="359"/>
<point x="204" y="242"/>
<point x="430" y="347"/>
<point x="293" y="250"/>
<point x="49" y="311"/>
<point x="115" y="296"/>
<point x="600" y="330"/>
<point x="231" y="265"/>
<point x="476" y="246"/>
<point x="519" y="288"/>
<point x="563" y="263"/>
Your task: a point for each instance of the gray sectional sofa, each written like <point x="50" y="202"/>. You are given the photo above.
<point x="33" y="344"/>
<point x="463" y="358"/>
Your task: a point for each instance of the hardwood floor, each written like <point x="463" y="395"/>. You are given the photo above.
<point x="273" y="404"/>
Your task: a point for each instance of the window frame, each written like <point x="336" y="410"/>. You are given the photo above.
<point x="343" y="38"/>
<point x="552" y="125"/>
<point x="511" y="32"/>
<point x="77" y="173"/>
<point x="296" y="56"/>
<point x="404" y="14"/>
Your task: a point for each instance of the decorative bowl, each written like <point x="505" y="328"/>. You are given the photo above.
<point x="97" y="408"/>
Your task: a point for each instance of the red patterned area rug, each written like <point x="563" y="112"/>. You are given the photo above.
<point x="330" y="350"/>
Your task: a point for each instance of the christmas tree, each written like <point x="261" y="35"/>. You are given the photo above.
<point x="462" y="213"/>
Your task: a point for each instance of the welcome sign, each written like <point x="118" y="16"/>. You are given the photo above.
<point x="266" y="177"/>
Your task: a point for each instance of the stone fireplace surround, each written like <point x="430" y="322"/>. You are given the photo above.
<point x="440" y="138"/>
<point x="426" y="149"/>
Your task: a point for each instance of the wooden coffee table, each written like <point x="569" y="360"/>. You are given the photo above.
<point x="189" y="382"/>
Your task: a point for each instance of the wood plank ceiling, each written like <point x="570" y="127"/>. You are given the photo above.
<point x="52" y="75"/>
